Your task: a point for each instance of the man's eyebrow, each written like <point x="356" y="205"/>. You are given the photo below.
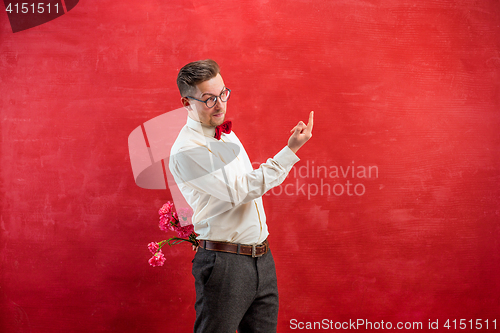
<point x="213" y="94"/>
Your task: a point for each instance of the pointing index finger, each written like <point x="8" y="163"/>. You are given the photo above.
<point x="311" y="121"/>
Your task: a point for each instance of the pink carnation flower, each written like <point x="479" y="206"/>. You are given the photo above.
<point x="153" y="247"/>
<point x="166" y="223"/>
<point x="184" y="232"/>
<point x="169" y="221"/>
<point x="157" y="260"/>
<point x="183" y="215"/>
<point x="166" y="209"/>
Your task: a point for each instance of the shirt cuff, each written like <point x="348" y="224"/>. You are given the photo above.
<point x="286" y="158"/>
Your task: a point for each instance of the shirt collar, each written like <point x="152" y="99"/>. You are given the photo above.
<point x="200" y="128"/>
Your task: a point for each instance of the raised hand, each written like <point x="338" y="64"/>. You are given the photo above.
<point x="301" y="133"/>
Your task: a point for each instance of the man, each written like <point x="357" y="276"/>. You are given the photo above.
<point x="235" y="277"/>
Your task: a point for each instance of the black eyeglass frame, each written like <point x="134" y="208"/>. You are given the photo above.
<point x="216" y="97"/>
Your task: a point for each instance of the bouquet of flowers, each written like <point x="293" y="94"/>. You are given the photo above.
<point x="170" y="221"/>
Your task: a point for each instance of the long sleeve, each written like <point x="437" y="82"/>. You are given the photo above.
<point x="204" y="169"/>
<point x="217" y="180"/>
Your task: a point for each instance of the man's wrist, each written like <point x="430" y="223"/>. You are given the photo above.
<point x="294" y="149"/>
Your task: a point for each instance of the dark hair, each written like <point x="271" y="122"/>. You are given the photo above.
<point x="194" y="73"/>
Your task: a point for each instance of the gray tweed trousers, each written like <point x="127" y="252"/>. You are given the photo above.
<point x="235" y="292"/>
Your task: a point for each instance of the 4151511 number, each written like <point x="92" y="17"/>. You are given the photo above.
<point x="471" y="324"/>
<point x="38" y="8"/>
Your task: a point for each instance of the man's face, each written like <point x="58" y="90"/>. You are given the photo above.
<point x="209" y="116"/>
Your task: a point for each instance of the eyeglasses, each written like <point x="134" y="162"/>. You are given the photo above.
<point x="211" y="101"/>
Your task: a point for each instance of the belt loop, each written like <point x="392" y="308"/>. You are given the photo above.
<point x="253" y="250"/>
<point x="204" y="245"/>
<point x="238" y="250"/>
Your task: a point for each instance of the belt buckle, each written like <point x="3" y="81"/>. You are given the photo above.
<point x="254" y="252"/>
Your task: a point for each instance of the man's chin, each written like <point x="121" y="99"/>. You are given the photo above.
<point x="216" y="121"/>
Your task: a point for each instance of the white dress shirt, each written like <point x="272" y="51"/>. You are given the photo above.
<point x="217" y="180"/>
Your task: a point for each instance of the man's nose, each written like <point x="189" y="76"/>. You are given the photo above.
<point x="219" y="104"/>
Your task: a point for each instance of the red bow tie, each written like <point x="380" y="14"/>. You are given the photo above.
<point x="225" y="127"/>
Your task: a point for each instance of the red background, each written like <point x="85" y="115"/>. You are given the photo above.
<point x="411" y="87"/>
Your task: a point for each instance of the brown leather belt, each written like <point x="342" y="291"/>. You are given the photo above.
<point x="248" y="250"/>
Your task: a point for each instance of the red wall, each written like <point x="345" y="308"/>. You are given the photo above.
<point x="409" y="88"/>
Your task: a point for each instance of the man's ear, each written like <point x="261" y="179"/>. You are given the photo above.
<point x="185" y="102"/>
